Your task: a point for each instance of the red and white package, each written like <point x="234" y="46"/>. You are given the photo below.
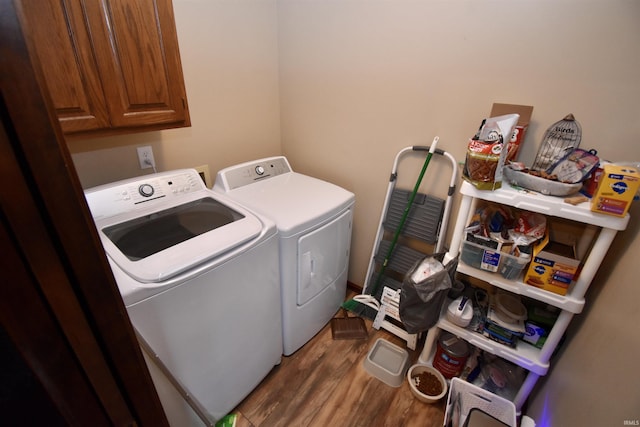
<point x="531" y="224"/>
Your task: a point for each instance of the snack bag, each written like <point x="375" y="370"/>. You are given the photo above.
<point x="576" y="166"/>
<point x="481" y="163"/>
<point x="486" y="152"/>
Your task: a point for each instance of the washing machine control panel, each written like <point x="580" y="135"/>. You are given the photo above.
<point x="250" y="172"/>
<point x="132" y="194"/>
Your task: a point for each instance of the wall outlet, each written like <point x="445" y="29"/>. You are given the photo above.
<point x="145" y="157"/>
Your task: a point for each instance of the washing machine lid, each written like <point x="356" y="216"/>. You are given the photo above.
<point x="159" y="245"/>
<point x="295" y="202"/>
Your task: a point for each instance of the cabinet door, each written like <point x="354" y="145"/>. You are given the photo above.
<point x="136" y="49"/>
<point x="61" y="40"/>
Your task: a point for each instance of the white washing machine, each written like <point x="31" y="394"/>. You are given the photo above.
<point x="314" y="219"/>
<point x="200" y="277"/>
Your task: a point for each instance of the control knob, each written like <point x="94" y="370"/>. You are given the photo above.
<point x="146" y="190"/>
<point x="259" y="170"/>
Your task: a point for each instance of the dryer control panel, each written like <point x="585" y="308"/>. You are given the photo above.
<point x="250" y="172"/>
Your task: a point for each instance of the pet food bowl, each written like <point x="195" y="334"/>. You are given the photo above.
<point x="387" y="362"/>
<point x="541" y="185"/>
<point x="435" y="381"/>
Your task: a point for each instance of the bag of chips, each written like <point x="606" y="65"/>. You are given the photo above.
<point x="486" y="152"/>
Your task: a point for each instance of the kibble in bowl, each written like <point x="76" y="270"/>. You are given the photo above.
<point x="426" y="383"/>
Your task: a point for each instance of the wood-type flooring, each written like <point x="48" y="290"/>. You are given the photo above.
<point x="325" y="384"/>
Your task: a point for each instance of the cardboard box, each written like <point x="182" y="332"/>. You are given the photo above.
<point x="553" y="266"/>
<point x="535" y="335"/>
<point x="525" y="112"/>
<point x="616" y="189"/>
<point x="540" y="321"/>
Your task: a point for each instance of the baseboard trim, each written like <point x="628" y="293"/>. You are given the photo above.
<point x="354" y="287"/>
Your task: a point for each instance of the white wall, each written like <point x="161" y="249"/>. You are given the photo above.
<point x="230" y="62"/>
<point x="361" y="79"/>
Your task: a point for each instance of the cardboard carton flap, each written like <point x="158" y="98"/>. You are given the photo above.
<point x="524" y="111"/>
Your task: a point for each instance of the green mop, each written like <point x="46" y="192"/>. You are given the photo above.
<point x="370" y="303"/>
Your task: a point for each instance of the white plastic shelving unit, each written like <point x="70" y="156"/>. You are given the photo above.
<point x="534" y="360"/>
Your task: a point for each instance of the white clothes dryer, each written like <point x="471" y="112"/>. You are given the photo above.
<point x="199" y="275"/>
<point x="314" y="220"/>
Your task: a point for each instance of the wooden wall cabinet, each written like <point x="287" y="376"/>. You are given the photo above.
<point x="111" y="66"/>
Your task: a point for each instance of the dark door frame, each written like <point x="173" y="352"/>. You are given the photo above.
<point x="62" y="315"/>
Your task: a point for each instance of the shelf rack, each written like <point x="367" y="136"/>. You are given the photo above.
<point x="534" y="360"/>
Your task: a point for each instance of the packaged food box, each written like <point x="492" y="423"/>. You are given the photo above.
<point x="616" y="189"/>
<point x="540" y="321"/>
<point x="553" y="266"/>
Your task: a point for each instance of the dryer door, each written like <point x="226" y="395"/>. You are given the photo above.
<point x="323" y="256"/>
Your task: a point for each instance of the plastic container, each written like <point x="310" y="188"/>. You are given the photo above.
<point x="480" y="257"/>
<point x="511" y="267"/>
<point x="471" y="254"/>
<point x="418" y="369"/>
<point x="451" y="355"/>
<point x="509" y="308"/>
<point x="387" y="362"/>
<point x="539" y="184"/>
<point x="464" y="397"/>
<point x="483" y="258"/>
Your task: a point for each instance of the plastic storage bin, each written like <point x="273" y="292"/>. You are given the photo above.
<point x="480" y="257"/>
<point x="483" y="258"/>
<point x="464" y="397"/>
<point x="511" y="267"/>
